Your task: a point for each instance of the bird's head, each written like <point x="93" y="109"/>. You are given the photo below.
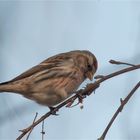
<point x="87" y="62"/>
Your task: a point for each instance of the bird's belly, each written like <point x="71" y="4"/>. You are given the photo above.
<point x="54" y="91"/>
<point x="47" y="99"/>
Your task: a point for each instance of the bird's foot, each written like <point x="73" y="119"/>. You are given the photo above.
<point x="53" y="110"/>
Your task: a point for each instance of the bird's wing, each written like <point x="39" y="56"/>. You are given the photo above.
<point x="29" y="72"/>
<point x="48" y="64"/>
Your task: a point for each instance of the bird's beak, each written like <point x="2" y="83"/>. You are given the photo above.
<point x="89" y="75"/>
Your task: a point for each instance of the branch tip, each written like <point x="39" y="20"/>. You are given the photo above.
<point x="121" y="63"/>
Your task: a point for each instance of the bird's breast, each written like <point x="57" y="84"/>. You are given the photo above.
<point x="72" y="83"/>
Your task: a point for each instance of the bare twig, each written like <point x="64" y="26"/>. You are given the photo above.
<point x="83" y="93"/>
<point x="120" y="108"/>
<point x="43" y="132"/>
<point x="33" y="127"/>
<point x="120" y="63"/>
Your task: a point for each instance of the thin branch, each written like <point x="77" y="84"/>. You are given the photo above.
<point x="120" y="108"/>
<point x="43" y="132"/>
<point x="120" y="63"/>
<point x="82" y="92"/>
<point x="33" y="127"/>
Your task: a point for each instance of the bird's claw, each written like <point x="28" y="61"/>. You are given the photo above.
<point x="53" y="110"/>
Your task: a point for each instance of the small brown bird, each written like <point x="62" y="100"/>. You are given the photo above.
<point x="54" y="79"/>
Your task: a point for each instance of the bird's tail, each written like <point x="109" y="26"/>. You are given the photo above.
<point x="5" y="87"/>
<point x="9" y="87"/>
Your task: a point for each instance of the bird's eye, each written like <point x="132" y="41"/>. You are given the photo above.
<point x="89" y="67"/>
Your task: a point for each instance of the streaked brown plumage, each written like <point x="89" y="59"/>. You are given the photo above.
<point x="55" y="79"/>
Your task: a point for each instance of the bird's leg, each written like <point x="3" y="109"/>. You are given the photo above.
<point x="53" y="110"/>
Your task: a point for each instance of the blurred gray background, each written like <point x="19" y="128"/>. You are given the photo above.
<point x="33" y="31"/>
